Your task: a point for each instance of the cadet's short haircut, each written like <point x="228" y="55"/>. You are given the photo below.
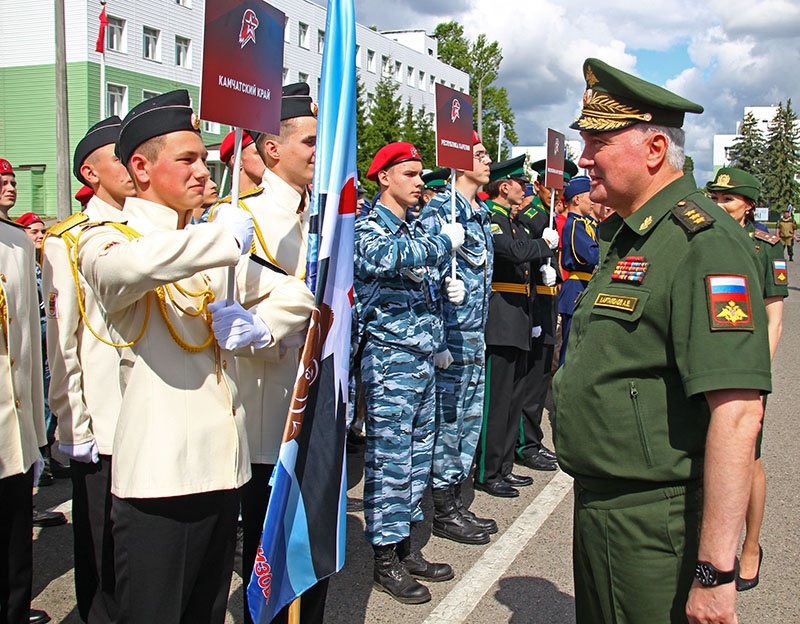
<point x="492" y="189"/>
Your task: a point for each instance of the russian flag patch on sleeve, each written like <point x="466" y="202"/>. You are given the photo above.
<point x="779" y="272"/>
<point x="729" y="302"/>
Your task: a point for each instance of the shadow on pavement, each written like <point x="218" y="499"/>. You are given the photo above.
<point x="535" y="601"/>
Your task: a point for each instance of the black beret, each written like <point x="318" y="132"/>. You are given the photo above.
<point x="163" y="114"/>
<point x="100" y="134"/>
<point x="296" y="101"/>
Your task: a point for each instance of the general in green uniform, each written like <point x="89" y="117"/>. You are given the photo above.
<point x="668" y="355"/>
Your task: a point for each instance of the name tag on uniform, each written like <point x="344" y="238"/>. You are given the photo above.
<point x="616" y="302"/>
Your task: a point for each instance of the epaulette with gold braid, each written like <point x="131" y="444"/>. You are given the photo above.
<point x="67" y="224"/>
<point x="691" y="216"/>
<point x="767" y="237"/>
<point x="253" y="192"/>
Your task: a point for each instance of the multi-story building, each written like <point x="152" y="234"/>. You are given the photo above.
<point x="153" y="46"/>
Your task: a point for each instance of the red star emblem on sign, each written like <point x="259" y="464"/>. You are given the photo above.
<point x="249" y="25"/>
<point x="454" y="111"/>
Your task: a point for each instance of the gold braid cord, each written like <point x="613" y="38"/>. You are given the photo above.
<point x="4" y="313"/>
<point x="602" y="112"/>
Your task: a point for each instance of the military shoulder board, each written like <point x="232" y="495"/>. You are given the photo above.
<point x="691" y="216"/>
<point x="251" y="193"/>
<point x="767" y="237"/>
<point x="67" y="224"/>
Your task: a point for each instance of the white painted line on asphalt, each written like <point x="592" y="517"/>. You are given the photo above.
<point x="469" y="591"/>
<point x="65" y="507"/>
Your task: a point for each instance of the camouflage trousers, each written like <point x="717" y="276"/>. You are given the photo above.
<point x="459" y="409"/>
<point x="401" y="406"/>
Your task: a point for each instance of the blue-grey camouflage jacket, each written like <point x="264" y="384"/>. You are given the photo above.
<point x="396" y="280"/>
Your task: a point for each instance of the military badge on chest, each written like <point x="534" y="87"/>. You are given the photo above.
<point x="630" y="269"/>
<point x="729" y="302"/>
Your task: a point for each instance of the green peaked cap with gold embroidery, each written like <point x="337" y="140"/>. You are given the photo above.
<point x="615" y="99"/>
<point x="736" y="181"/>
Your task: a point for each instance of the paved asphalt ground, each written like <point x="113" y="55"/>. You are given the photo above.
<point x="524" y="575"/>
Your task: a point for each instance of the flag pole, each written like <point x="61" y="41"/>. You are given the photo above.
<point x="294" y="611"/>
<point x="453" y="217"/>
<point x="103" y="75"/>
<point x="552" y="216"/>
<point x="237" y="163"/>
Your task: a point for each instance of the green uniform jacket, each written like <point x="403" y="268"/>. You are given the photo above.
<point x="773" y="264"/>
<point x="675" y="310"/>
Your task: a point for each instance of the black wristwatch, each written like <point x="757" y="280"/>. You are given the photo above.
<point x="709" y="576"/>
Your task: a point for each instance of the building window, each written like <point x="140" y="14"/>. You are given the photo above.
<point x="285" y="75"/>
<point x="320" y="41"/>
<point x="410" y="77"/>
<point x="115" y="35"/>
<point x="146" y="95"/>
<point x="287" y="31"/>
<point x="151" y="44"/>
<point x="302" y="35"/>
<point x="432" y="83"/>
<point x="183" y="52"/>
<point x="386" y="69"/>
<point x="422" y="80"/>
<point x="301" y="77"/>
<point x="371" y="61"/>
<point x="212" y="127"/>
<point x="184" y="3"/>
<point x="398" y="71"/>
<point x="116" y="100"/>
<point x="358" y="56"/>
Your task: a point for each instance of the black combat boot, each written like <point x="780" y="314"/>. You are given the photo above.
<point x="391" y="576"/>
<point x="449" y="523"/>
<point x="418" y="567"/>
<point x="486" y="524"/>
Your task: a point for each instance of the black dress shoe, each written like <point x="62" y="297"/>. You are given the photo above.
<point x="498" y="488"/>
<point x="743" y="584"/>
<point x="48" y="519"/>
<point x="539" y="462"/>
<point x="547" y="453"/>
<point x="36" y="616"/>
<point x="517" y="480"/>
<point x="59" y="470"/>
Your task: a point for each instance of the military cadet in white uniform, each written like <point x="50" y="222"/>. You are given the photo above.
<point x="251" y="167"/>
<point x="180" y="449"/>
<point x="22" y="429"/>
<point x="83" y="395"/>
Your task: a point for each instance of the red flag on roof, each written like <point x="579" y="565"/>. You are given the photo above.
<point x="100" y="46"/>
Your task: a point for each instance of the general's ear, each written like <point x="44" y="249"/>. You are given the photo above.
<point x="657" y="144"/>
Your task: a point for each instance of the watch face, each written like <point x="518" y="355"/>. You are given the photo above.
<point x="706" y="574"/>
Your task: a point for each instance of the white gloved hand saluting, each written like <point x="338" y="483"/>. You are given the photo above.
<point x="86" y="452"/>
<point x="240" y="224"/>
<point x="234" y="327"/>
<point x="456" y="290"/>
<point x="550" y="236"/>
<point x="443" y="360"/>
<point x="548" y="275"/>
<point x="455" y="232"/>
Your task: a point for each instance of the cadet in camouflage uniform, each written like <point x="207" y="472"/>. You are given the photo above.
<point x="737" y="191"/>
<point x="461" y="367"/>
<point x="396" y="281"/>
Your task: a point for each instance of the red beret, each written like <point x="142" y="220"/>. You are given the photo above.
<point x="483" y="196"/>
<point x="84" y="194"/>
<point x="5" y="167"/>
<point x="226" y="148"/>
<point x="392" y="154"/>
<point x="29" y="218"/>
<point x="475" y="138"/>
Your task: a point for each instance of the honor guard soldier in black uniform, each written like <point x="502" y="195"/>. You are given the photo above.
<point x="507" y="329"/>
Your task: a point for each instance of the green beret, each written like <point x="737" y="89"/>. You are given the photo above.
<point x="570" y="169"/>
<point x="615" y="99"/>
<point x="436" y="179"/>
<point x="513" y="169"/>
<point x="735" y="181"/>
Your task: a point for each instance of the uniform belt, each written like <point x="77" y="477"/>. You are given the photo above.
<point x="546" y="290"/>
<point x="508" y="287"/>
<point x="580" y="275"/>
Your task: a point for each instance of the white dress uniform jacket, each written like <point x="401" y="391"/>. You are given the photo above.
<point x="181" y="426"/>
<point x="84" y="395"/>
<point x="21" y="392"/>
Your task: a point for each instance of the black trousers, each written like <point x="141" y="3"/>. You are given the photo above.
<point x="505" y="373"/>
<point x="255" y="498"/>
<point x="536" y="382"/>
<point x="173" y="557"/>
<point x="94" y="544"/>
<point x="16" y="547"/>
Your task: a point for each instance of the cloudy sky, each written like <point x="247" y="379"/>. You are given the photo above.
<point x="723" y="54"/>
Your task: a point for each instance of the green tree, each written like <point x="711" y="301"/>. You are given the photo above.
<point x="688" y="165"/>
<point x="383" y="123"/>
<point x="748" y="149"/>
<point x="417" y="129"/>
<point x="496" y="110"/>
<point x="782" y="159"/>
<point x="361" y="127"/>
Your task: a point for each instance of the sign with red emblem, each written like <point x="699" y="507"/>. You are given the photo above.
<point x="729" y="302"/>
<point x="554" y="164"/>
<point x="453" y="129"/>
<point x="242" y="64"/>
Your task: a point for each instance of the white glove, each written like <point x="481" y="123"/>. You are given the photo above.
<point x="294" y="341"/>
<point x="38" y="467"/>
<point x="86" y="452"/>
<point x="548" y="275"/>
<point x="240" y="224"/>
<point x="550" y="236"/>
<point x="456" y="290"/>
<point x="536" y="331"/>
<point x="234" y="327"/>
<point x="443" y="360"/>
<point x="455" y="232"/>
